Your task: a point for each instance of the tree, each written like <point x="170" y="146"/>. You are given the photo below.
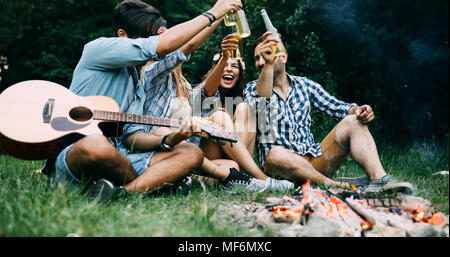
<point x="392" y="55"/>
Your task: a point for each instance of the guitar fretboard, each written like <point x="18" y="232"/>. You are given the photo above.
<point x="136" y="119"/>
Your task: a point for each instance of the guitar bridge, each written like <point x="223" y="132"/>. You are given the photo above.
<point x="48" y="110"/>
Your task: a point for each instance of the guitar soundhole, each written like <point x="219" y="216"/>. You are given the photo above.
<point x="81" y="114"/>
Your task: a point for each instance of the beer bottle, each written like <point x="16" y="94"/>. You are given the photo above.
<point x="229" y="20"/>
<point x="237" y="53"/>
<point x="279" y="47"/>
<point x="242" y="27"/>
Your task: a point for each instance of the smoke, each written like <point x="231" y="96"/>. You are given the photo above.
<point x="404" y="45"/>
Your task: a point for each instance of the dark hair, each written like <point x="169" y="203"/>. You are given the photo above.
<point x="238" y="89"/>
<point x="137" y="18"/>
<point x="258" y="41"/>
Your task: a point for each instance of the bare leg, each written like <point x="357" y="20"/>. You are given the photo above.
<point x="95" y="157"/>
<point x="168" y="167"/>
<point x="212" y="166"/>
<point x="238" y="152"/>
<point x="291" y="166"/>
<point x="218" y="169"/>
<point x="245" y="126"/>
<point x="353" y="134"/>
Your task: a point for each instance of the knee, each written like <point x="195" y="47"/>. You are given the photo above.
<point x="351" y="122"/>
<point x="192" y="154"/>
<point x="242" y="109"/>
<point x="162" y="131"/>
<point x="276" y="157"/>
<point x="97" y="148"/>
<point x="222" y="118"/>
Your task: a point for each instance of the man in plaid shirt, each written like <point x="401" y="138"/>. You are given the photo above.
<point x="284" y="141"/>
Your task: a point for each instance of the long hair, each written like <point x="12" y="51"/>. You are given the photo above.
<point x="178" y="78"/>
<point x="237" y="90"/>
<point x="137" y="18"/>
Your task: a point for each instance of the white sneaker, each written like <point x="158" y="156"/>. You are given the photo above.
<point x="278" y="185"/>
<point x="239" y="181"/>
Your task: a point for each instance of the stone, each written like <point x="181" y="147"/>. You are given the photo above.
<point x="380" y="230"/>
<point x="320" y="226"/>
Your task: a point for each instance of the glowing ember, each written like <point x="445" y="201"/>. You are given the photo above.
<point x="355" y="212"/>
<point x="366" y="225"/>
<point x="419" y="215"/>
<point x="287" y="212"/>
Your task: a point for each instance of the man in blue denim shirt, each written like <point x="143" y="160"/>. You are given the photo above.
<point x="107" y="68"/>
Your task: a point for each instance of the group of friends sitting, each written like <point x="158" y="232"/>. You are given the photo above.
<point x="140" y="67"/>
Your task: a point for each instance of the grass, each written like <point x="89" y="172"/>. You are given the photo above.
<point x="30" y="206"/>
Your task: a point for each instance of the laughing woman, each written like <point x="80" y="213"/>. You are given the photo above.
<point x="225" y="81"/>
<point x="169" y="94"/>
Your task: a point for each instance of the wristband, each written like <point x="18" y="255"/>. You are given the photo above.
<point x="209" y="18"/>
<point x="164" y="146"/>
<point x="212" y="16"/>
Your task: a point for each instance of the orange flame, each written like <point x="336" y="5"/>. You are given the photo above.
<point x="366" y="225"/>
<point x="287" y="212"/>
<point x="419" y="215"/>
<point x="353" y="188"/>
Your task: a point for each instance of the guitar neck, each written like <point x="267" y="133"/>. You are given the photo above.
<point x="135" y="119"/>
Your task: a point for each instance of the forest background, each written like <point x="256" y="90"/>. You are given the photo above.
<point x="392" y="55"/>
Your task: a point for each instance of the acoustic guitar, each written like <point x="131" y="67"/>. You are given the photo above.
<point x="39" y="118"/>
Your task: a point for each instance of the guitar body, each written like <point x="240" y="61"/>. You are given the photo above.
<point x="39" y="118"/>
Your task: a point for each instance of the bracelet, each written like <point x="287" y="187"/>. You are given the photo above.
<point x="212" y="16"/>
<point x="209" y="18"/>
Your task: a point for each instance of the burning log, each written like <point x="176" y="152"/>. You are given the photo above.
<point x="326" y="213"/>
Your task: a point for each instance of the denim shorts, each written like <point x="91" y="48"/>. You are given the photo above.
<point x="63" y="174"/>
<point x="139" y="161"/>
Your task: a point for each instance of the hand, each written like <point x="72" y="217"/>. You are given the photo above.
<point x="364" y="113"/>
<point x="225" y="6"/>
<point x="189" y="127"/>
<point x="267" y="48"/>
<point x="229" y="43"/>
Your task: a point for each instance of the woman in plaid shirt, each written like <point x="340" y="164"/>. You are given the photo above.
<point x="285" y="144"/>
<point x="169" y="94"/>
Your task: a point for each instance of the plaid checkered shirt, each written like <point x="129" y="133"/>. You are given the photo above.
<point x="287" y="122"/>
<point x="160" y="90"/>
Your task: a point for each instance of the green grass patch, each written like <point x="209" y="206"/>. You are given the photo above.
<point x="30" y="206"/>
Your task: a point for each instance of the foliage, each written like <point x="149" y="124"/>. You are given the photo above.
<point x="392" y="55"/>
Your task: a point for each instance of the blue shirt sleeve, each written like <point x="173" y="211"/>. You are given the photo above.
<point x="116" y="52"/>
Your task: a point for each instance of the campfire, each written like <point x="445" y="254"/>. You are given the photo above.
<point x="326" y="212"/>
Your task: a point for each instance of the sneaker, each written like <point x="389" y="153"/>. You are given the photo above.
<point x="238" y="181"/>
<point x="389" y="184"/>
<point x="182" y="186"/>
<point x="48" y="169"/>
<point x="360" y="182"/>
<point x="105" y="190"/>
<point x="278" y="185"/>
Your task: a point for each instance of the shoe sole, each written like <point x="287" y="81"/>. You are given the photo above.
<point x="400" y="187"/>
<point x="357" y="182"/>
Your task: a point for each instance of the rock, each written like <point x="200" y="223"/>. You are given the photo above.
<point x="264" y="217"/>
<point x="320" y="226"/>
<point x="294" y="230"/>
<point x="274" y="200"/>
<point x="425" y="230"/>
<point x="380" y="230"/>
<point x="419" y="229"/>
